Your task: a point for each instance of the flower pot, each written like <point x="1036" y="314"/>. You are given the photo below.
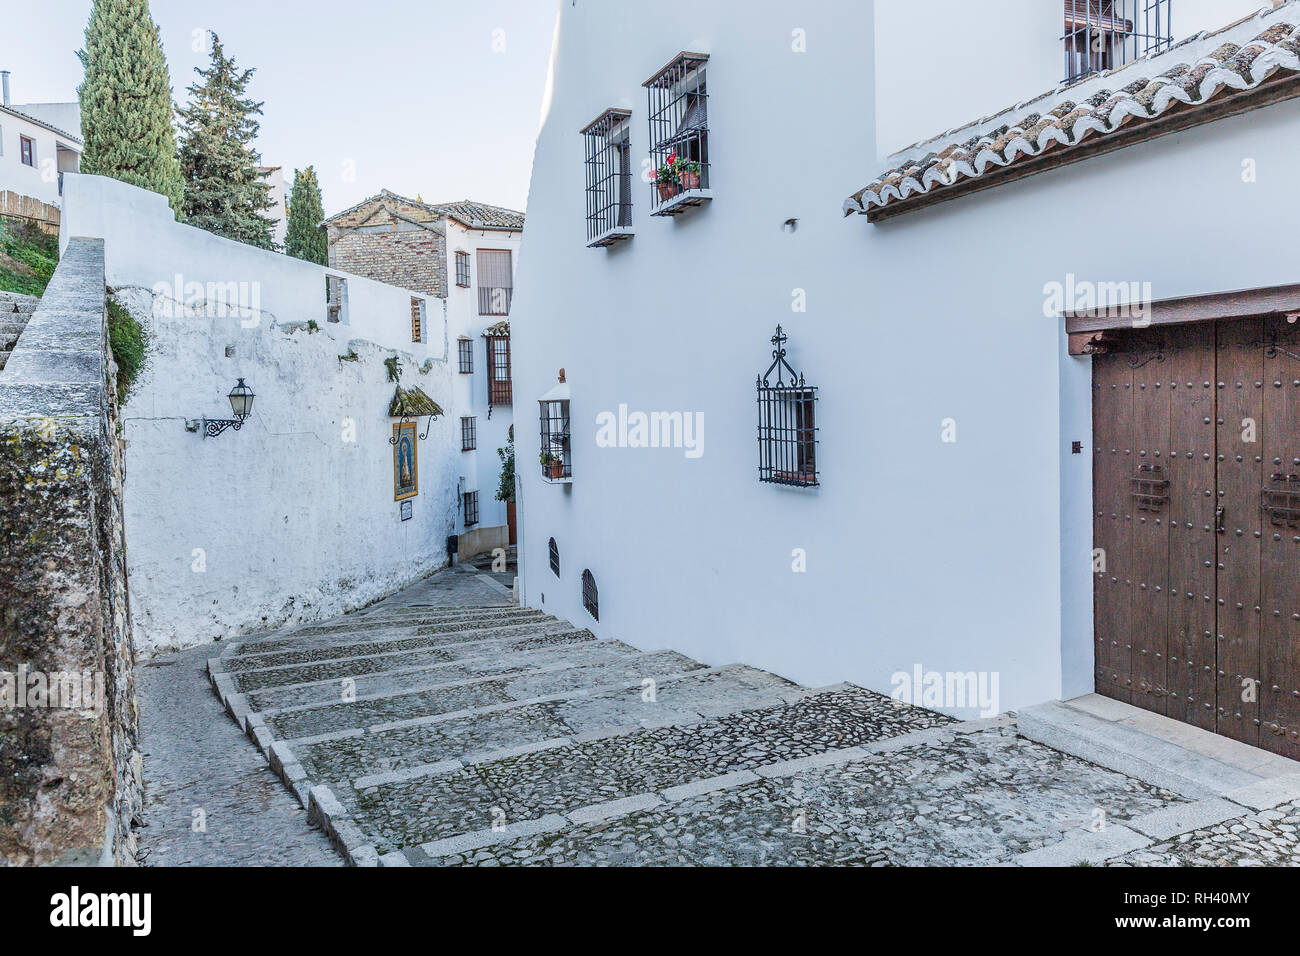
<point x="668" y="190"/>
<point x="690" y="180"/>
<point x="555" y="469"/>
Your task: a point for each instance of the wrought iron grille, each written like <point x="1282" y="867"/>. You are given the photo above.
<point x="609" y="177"/>
<point x="471" y="508"/>
<point x="787" y="423"/>
<point x="1150" y="488"/>
<point x="462" y="269"/>
<point x="495" y="282"/>
<point x="556" y="440"/>
<point x="465" y="348"/>
<point x="468" y="434"/>
<point x="1103" y="35"/>
<point x="679" y="133"/>
<point x="498" y="358"/>
<point x="554" y="550"/>
<point x="590" y="596"/>
<point x="1282" y="501"/>
<point x="336" y="298"/>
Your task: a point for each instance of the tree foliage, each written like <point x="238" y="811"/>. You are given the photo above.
<point x="305" y="238"/>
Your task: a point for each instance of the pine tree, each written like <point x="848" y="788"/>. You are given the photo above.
<point x="126" y="100"/>
<point x="305" y="238"/>
<point x="224" y="192"/>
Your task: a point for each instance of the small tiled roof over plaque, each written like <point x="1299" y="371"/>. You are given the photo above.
<point x="1246" y="63"/>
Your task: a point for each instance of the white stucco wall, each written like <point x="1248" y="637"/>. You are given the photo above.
<point x="40" y="181"/>
<point x="292" y="517"/>
<point x="965" y="556"/>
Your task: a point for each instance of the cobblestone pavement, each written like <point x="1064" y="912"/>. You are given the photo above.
<point x="445" y="727"/>
<point x="1267" y="838"/>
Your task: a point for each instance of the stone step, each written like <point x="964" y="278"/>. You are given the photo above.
<point x="471" y="695"/>
<point x="316" y="634"/>
<point x="445" y="648"/>
<point x="368" y="643"/>
<point x="491" y="662"/>
<point x="403" y="810"/>
<point x="943" y="796"/>
<point x="4" y="360"/>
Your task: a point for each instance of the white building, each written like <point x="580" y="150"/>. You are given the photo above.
<point x="464" y="253"/>
<point x="38" y="143"/>
<point x="915" y="501"/>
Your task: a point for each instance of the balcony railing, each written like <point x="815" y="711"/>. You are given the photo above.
<point x="494" y="301"/>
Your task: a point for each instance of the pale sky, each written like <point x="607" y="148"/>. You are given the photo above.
<point x="437" y="98"/>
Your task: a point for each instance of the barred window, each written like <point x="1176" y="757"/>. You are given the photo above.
<point x="590" y="597"/>
<point x="609" y="178"/>
<point x="465" y="347"/>
<point x="679" y="135"/>
<point x="468" y="434"/>
<point x="495" y="282"/>
<point x="555" y="440"/>
<point x="1104" y="35"/>
<point x="498" y="357"/>
<point x="417" y="320"/>
<point x="787" y="423"/>
<point x="471" y="508"/>
<point x="555" y="556"/>
<point x="462" y="269"/>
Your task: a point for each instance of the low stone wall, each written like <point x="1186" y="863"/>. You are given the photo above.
<point x="70" y="781"/>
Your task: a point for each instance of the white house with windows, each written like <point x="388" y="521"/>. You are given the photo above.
<point x="845" y="408"/>
<point x="38" y="143"/>
<point x="463" y="255"/>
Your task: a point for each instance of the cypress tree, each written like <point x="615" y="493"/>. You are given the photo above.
<point x="224" y="192"/>
<point x="126" y="100"/>
<point x="305" y="239"/>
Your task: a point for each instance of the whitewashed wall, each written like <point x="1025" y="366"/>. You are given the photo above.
<point x="291" y="518"/>
<point x="965" y="556"/>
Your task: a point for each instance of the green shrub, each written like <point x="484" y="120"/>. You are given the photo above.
<point x="28" y="257"/>
<point x="127" y="338"/>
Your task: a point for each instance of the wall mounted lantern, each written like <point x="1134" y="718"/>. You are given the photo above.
<point x="241" y="403"/>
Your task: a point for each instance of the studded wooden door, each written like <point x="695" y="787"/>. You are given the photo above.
<point x="1197" y="526"/>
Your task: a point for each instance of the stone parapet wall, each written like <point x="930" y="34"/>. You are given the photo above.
<point x="70" y="781"/>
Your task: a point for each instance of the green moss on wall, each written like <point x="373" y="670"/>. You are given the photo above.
<point x="128" y="340"/>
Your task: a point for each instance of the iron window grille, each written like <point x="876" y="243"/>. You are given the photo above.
<point x="465" y="348"/>
<point x="554" y="550"/>
<point x="787" y="423"/>
<point x="679" y="135"/>
<point x="462" y="270"/>
<point x="417" y="320"/>
<point x="471" y="508"/>
<point x="1104" y="35"/>
<point x="468" y="433"/>
<point x="336" y="299"/>
<point x="495" y="282"/>
<point x="590" y="596"/>
<point x="609" y="178"/>
<point x="556" y="440"/>
<point x="498" y="359"/>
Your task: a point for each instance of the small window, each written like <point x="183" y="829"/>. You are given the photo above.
<point x="462" y="269"/>
<point x="556" y="440"/>
<point x="336" y="299"/>
<point x="471" y="508"/>
<point x="787" y="423"/>
<point x="498" y="359"/>
<point x="609" y="178"/>
<point x="590" y="597"/>
<point x="465" y="348"/>
<point x="555" y="557"/>
<point x="468" y="434"/>
<point x="1104" y="35"/>
<point x="27" y="150"/>
<point x="417" y="320"/>
<point x="679" y="135"/>
<point x="495" y="282"/>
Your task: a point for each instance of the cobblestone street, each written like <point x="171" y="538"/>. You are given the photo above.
<point x="445" y="727"/>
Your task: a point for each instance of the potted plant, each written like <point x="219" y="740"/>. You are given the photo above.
<point x="666" y="178"/>
<point x="552" y="464"/>
<point x="688" y="172"/>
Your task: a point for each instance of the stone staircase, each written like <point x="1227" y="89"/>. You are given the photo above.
<point x="418" y="735"/>
<point x="15" y="311"/>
